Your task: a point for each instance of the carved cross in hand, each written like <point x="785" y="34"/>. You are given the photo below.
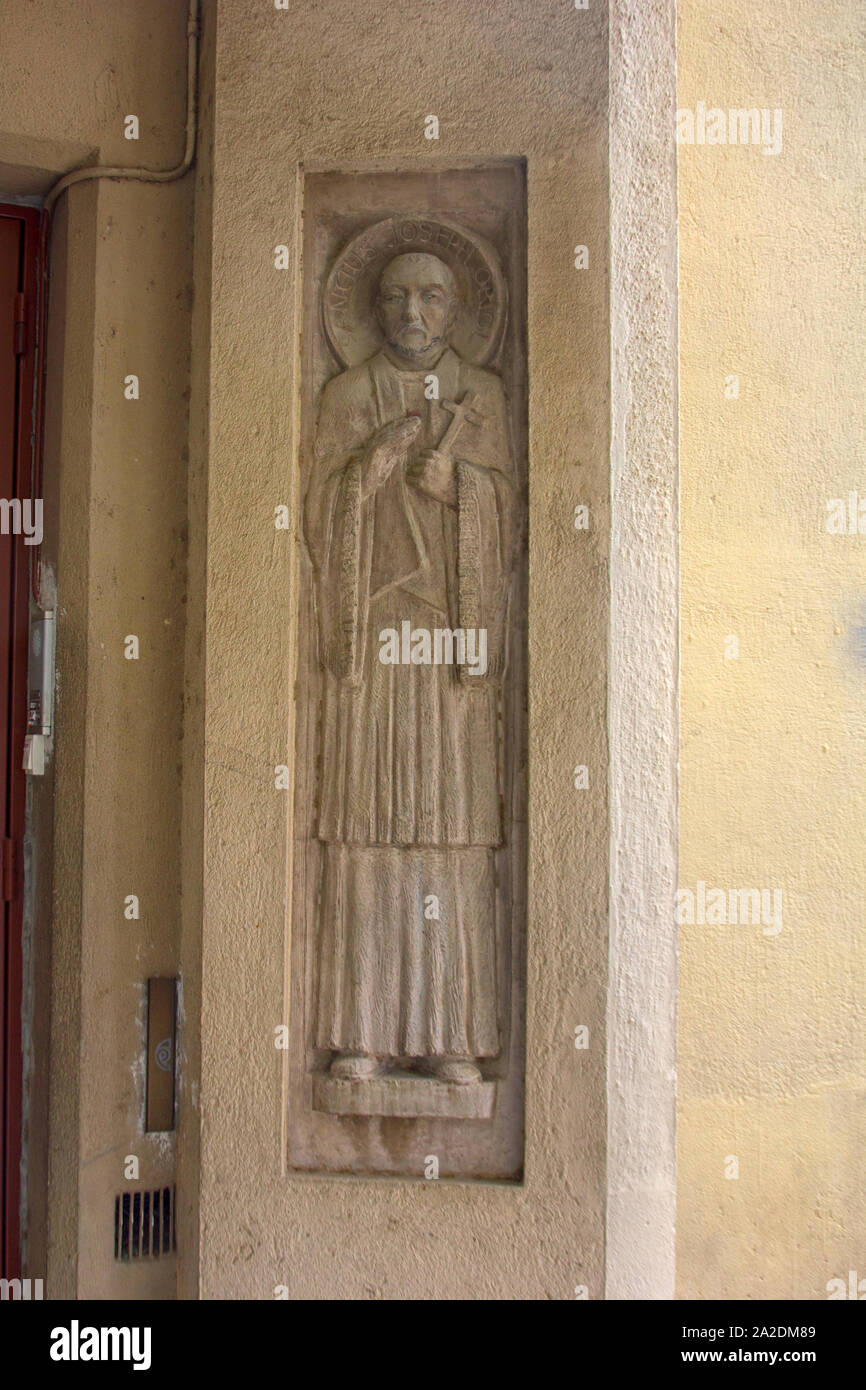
<point x="464" y="412"/>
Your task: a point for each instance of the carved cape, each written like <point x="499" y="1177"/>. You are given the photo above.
<point x="360" y="549"/>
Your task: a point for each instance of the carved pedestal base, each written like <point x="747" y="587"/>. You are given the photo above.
<point x="405" y="1096"/>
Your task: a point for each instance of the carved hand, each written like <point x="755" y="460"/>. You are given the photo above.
<point x="435" y="474"/>
<point x="389" y="446"/>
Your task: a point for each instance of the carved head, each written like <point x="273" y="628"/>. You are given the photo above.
<point x="416" y="305"/>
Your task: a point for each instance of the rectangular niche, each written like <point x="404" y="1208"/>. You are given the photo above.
<point x="407" y="963"/>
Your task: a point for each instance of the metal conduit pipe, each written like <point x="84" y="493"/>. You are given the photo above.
<point x="104" y="171"/>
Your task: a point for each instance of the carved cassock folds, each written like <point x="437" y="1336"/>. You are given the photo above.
<point x="415" y="526"/>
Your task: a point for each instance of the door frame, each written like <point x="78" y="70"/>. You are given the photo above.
<point x="15" y="792"/>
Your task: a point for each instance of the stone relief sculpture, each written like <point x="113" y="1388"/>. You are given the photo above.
<point x="410" y="522"/>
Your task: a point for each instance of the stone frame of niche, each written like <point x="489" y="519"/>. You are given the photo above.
<point x="474" y="1136"/>
<point x="597" y="1203"/>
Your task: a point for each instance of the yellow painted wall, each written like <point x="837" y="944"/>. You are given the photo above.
<point x="771" y="1036"/>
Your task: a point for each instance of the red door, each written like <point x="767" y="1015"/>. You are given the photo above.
<point x="19" y="228"/>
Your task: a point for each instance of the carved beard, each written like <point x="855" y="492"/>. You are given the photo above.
<point x="413" y="354"/>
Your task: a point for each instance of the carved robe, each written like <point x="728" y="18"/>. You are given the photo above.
<point x="409" y="811"/>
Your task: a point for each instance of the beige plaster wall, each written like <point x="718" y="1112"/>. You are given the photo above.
<point x="106" y="819"/>
<point x="771" y="1038"/>
<point x="325" y="83"/>
<point x="72" y="69"/>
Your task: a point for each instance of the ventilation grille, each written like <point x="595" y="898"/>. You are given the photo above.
<point x="144" y="1224"/>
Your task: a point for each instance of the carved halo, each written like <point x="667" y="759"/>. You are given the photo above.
<point x="353" y="281"/>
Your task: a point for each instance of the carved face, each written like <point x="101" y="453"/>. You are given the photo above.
<point x="416" y="304"/>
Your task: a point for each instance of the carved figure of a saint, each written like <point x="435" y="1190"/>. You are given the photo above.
<point x="409" y="519"/>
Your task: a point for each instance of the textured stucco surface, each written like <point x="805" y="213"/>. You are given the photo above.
<point x="771" y="1035"/>
<point x="72" y="69"/>
<point x="641" y="1161"/>
<point x="327" y="84"/>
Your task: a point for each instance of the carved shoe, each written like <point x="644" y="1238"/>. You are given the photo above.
<point x="353" y="1066"/>
<point x="459" y="1071"/>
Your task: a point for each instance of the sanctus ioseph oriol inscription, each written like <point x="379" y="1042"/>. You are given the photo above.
<point x="407" y="962"/>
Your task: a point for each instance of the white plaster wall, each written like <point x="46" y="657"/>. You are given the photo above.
<point x="643" y="714"/>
